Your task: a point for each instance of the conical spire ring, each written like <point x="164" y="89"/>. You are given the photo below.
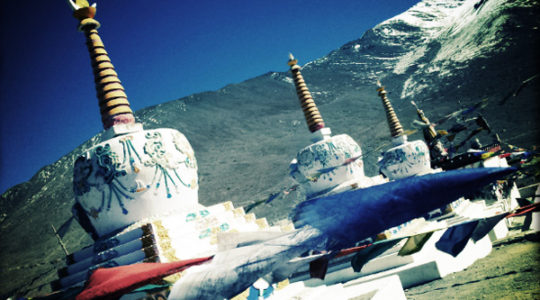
<point x="113" y="103"/>
<point x="393" y="122"/>
<point x="311" y="112"/>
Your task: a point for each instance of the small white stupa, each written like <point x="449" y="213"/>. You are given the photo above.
<point x="332" y="164"/>
<point x="406" y="158"/>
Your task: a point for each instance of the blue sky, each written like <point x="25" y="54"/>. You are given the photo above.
<point x="162" y="51"/>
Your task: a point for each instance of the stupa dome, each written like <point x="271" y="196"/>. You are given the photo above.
<point x="136" y="176"/>
<point x="328" y="165"/>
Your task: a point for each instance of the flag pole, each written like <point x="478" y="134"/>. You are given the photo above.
<point x="60" y="240"/>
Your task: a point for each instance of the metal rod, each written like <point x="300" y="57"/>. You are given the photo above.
<point x="60" y="240"/>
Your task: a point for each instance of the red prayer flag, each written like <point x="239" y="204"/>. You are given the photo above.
<point x="111" y="283"/>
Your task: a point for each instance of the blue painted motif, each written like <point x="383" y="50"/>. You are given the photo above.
<point x="81" y="172"/>
<point x="181" y="144"/>
<point x="130" y="153"/>
<point x="402" y="162"/>
<point x="224" y="227"/>
<point x="103" y="177"/>
<point x="193" y="216"/>
<point x="105" y="167"/>
<point x="206" y="232"/>
<point x="306" y="158"/>
<point x="190" y="217"/>
<point x="324" y="153"/>
<point x="165" y="167"/>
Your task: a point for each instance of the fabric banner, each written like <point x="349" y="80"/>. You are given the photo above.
<point x="414" y="244"/>
<point x="111" y="283"/>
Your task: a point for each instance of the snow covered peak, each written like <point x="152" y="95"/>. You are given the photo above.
<point x="419" y="24"/>
<point x="460" y="33"/>
<point x="431" y="43"/>
<point x="429" y="19"/>
<point x="428" y="14"/>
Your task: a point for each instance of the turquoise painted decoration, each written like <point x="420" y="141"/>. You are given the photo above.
<point x="182" y="145"/>
<point x="164" y="164"/>
<point x="326" y="165"/>
<point x="101" y="173"/>
<point x="134" y="176"/>
<point x="130" y="153"/>
<point x="407" y="159"/>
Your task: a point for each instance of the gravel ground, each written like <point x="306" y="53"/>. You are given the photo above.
<point x="510" y="271"/>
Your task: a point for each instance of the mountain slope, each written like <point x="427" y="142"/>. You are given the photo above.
<point x="442" y="54"/>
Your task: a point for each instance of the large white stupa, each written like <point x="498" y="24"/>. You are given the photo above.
<point x="136" y="192"/>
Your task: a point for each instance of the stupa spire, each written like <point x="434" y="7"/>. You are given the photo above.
<point x="113" y="102"/>
<point x="313" y="117"/>
<point x="406" y="158"/>
<point x="430" y="135"/>
<point x="396" y="129"/>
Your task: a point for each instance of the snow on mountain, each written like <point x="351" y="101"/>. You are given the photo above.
<point x="434" y="37"/>
<point x="440" y="36"/>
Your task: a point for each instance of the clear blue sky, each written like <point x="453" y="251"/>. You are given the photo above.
<point x="162" y="50"/>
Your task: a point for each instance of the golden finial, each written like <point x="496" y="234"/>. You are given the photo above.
<point x="292" y="61"/>
<point x="311" y="113"/>
<point x="82" y="10"/>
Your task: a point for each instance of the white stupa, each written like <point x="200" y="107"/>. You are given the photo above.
<point x="136" y="192"/>
<point x="134" y="173"/>
<point x="406" y="158"/>
<point x="332" y="164"/>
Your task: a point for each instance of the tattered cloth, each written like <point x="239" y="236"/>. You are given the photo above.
<point x="111" y="283"/>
